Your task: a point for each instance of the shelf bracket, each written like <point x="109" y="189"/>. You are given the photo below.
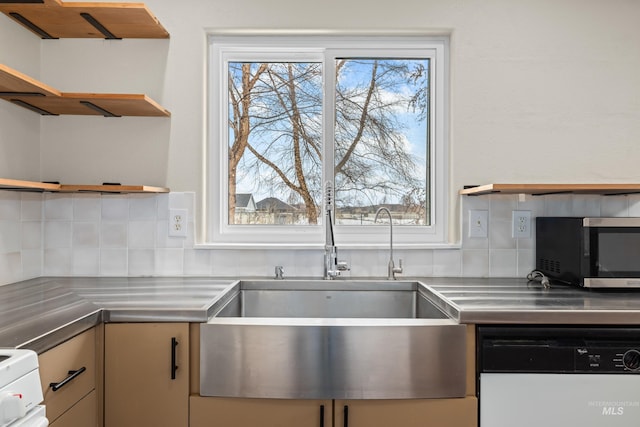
<point x="100" y="110"/>
<point x="30" y="25"/>
<point x="98" y="26"/>
<point x="3" y="94"/>
<point x="32" y="107"/>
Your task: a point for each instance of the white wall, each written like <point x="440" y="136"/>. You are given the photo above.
<point x="19" y="128"/>
<point x="542" y="90"/>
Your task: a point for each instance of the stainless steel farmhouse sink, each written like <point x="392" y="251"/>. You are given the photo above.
<point x="339" y="339"/>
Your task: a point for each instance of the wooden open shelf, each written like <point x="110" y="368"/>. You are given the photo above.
<point x="19" y="185"/>
<point x="112" y="188"/>
<point x="16" y="184"/>
<point x="543" y="189"/>
<point x="29" y="93"/>
<point x="53" y="19"/>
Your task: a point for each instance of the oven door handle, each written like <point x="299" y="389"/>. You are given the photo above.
<point x="72" y="375"/>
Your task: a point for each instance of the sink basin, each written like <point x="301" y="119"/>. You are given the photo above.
<point x="329" y="299"/>
<point x="342" y="339"/>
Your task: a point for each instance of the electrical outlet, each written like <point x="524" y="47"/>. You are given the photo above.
<point x="478" y="223"/>
<point x="178" y="222"/>
<point x="521" y="224"/>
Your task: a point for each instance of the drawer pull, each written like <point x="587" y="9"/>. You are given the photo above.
<point x="346" y="416"/>
<point x="174" y="366"/>
<point x="71" y="377"/>
<point x="321" y="415"/>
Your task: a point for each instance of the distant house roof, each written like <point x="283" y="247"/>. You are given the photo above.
<point x="272" y="204"/>
<point x="244" y="201"/>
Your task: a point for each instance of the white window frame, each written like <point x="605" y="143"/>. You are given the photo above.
<point x="224" y="48"/>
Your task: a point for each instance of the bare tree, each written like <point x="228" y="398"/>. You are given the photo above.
<point x="239" y="122"/>
<point x="275" y="116"/>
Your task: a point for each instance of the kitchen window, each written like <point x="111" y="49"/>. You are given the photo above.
<point x="292" y="117"/>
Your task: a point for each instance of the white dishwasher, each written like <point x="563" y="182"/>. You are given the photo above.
<point x="20" y="390"/>
<point x="559" y="376"/>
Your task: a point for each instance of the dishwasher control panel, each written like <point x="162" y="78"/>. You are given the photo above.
<point x="559" y="350"/>
<point x="607" y="359"/>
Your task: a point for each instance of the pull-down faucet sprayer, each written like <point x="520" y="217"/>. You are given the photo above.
<point x="332" y="267"/>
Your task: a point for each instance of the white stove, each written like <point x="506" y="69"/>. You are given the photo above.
<point x="20" y="390"/>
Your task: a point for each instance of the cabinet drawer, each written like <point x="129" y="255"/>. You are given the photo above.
<point x="55" y="367"/>
<point x="82" y="414"/>
<point x="224" y="412"/>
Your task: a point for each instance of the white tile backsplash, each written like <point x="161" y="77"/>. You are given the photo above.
<point x="142" y="207"/>
<point x="115" y="207"/>
<point x="113" y="262"/>
<point x="87" y="207"/>
<point x="58" y="207"/>
<point x="113" y="234"/>
<point x="10" y="206"/>
<point x="127" y="235"/>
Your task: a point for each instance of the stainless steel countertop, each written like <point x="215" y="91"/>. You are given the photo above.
<point x="43" y="312"/>
<point x="518" y="301"/>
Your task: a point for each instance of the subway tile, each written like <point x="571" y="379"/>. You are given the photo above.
<point x="113" y="262"/>
<point x="57" y="234"/>
<point x="197" y="262"/>
<point x="10" y="206"/>
<point x="57" y="262"/>
<point x="503" y="263"/>
<point x="10" y="267"/>
<point x="447" y="262"/>
<point x="141" y="262"/>
<point x="58" y="207"/>
<point x="115" y="207"/>
<point x="87" y="207"/>
<point x="31" y="206"/>
<point x="142" y="234"/>
<point x="31" y="237"/>
<point x="475" y="263"/>
<point x="113" y="234"/>
<point x="86" y="235"/>
<point x="169" y="262"/>
<point x="31" y="263"/>
<point x="86" y="262"/>
<point x="142" y="207"/>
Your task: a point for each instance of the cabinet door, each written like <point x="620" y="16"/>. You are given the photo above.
<point x="461" y="412"/>
<point x="142" y="385"/>
<point x="231" y="412"/>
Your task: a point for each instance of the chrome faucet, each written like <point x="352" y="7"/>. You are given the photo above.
<point x="279" y="272"/>
<point x="332" y="266"/>
<point x="392" y="269"/>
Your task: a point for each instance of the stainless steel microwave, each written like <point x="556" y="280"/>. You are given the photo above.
<point x="589" y="252"/>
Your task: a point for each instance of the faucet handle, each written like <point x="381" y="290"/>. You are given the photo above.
<point x="398" y="269"/>
<point x="342" y="266"/>
<point x="279" y="270"/>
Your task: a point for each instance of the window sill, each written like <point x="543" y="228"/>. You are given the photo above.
<point x="320" y="247"/>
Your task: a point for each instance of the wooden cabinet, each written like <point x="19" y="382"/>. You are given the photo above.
<point x="462" y="412"/>
<point x="69" y="374"/>
<point x="228" y="412"/>
<point x="146" y="374"/>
